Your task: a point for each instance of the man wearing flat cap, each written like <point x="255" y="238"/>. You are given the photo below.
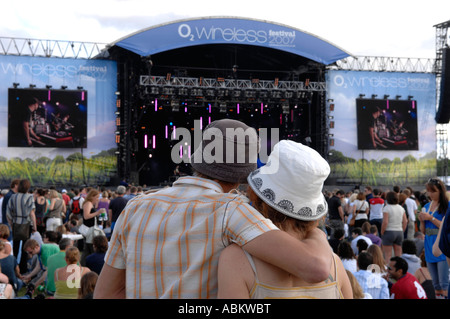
<point x="167" y="244"/>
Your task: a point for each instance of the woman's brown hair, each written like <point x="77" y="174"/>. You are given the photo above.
<point x="280" y="220"/>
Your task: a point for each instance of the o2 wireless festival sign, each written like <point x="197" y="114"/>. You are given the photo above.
<point x="222" y="30"/>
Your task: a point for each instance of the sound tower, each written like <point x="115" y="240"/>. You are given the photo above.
<point x="443" y="112"/>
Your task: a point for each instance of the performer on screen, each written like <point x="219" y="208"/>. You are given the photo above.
<point x="369" y="128"/>
<point x="23" y="119"/>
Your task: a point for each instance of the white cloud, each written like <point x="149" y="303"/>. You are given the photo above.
<point x="386" y="28"/>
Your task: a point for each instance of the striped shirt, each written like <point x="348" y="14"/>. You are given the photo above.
<point x="169" y="242"/>
<point x="19" y="208"/>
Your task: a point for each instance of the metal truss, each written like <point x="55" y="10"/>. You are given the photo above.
<point x="442" y="130"/>
<point x="50" y="48"/>
<point x="231" y="84"/>
<point x="385" y="64"/>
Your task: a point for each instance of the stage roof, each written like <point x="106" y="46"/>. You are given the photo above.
<point x="230" y="31"/>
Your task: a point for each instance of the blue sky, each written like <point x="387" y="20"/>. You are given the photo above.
<point x="400" y="28"/>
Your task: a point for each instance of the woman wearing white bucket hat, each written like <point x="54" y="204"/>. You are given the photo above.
<point x="288" y="190"/>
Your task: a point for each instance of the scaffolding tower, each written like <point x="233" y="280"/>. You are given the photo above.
<point x="442" y="130"/>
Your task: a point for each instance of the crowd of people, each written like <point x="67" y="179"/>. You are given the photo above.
<point x="188" y="240"/>
<point x="42" y="242"/>
<point x="392" y="227"/>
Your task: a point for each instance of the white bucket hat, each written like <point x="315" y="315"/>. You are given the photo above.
<point x="292" y="180"/>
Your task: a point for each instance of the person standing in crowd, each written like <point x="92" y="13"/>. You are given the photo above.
<point x="368" y="193"/>
<point x="104" y="202"/>
<point x="76" y="204"/>
<point x="3" y="192"/>
<point x="431" y="218"/>
<point x="335" y="211"/>
<point x="132" y="194"/>
<point x="411" y="207"/>
<point x="14" y="186"/>
<point x="21" y="217"/>
<point x="56" y="212"/>
<point x="394" y="224"/>
<point x="117" y="205"/>
<point x="89" y="213"/>
<point x="442" y="243"/>
<point x="406" y="285"/>
<point x="376" y="204"/>
<point x="371" y="282"/>
<point x="41" y="207"/>
<point x="293" y="208"/>
<point x="206" y="205"/>
<point x="361" y="209"/>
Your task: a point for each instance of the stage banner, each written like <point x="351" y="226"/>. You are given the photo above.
<point x="68" y="106"/>
<point x="382" y="128"/>
<point x="228" y="30"/>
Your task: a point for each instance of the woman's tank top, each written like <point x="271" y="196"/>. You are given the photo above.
<point x="104" y="205"/>
<point x="57" y="209"/>
<point x="90" y="222"/>
<point x="325" y="290"/>
<point x="39" y="212"/>
<point x="64" y="291"/>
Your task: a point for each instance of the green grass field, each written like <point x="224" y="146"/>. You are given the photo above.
<point x="406" y="171"/>
<point x="74" y="170"/>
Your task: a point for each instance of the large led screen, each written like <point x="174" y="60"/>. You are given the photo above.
<point x="47" y="118"/>
<point x="400" y="108"/>
<point x="73" y="102"/>
<point x="387" y="124"/>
